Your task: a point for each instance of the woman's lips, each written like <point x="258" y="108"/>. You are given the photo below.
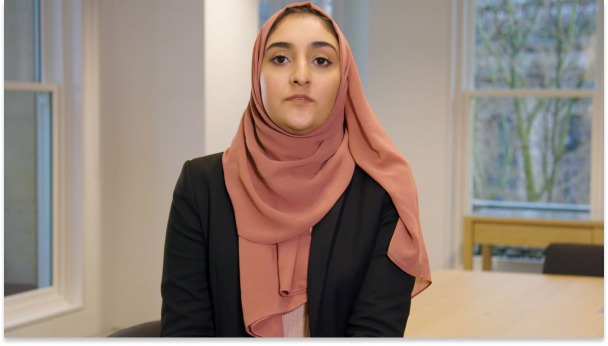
<point x="297" y="100"/>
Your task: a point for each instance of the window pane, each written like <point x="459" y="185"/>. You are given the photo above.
<point x="548" y="44"/>
<point x="27" y="190"/>
<point x="532" y="153"/>
<point x="20" y="41"/>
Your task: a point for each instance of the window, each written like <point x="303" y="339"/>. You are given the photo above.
<point x="28" y="118"/>
<point x="531" y="90"/>
<point x="42" y="94"/>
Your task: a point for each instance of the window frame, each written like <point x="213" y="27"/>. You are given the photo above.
<point x="463" y="41"/>
<point x="61" y="75"/>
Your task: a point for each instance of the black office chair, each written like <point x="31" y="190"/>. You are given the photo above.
<point x="574" y="259"/>
<point x="144" y="330"/>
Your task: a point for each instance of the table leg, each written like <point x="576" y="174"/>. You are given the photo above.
<point x="467" y="245"/>
<point x="486" y="253"/>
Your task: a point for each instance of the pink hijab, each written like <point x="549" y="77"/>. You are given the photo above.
<point x="282" y="184"/>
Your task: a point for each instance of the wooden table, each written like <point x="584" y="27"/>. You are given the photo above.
<point x="465" y="304"/>
<point x="512" y="231"/>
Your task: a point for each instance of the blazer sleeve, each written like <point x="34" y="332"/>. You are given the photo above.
<point x="186" y="300"/>
<point x="382" y="305"/>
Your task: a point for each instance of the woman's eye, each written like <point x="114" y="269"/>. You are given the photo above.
<point x="279" y="59"/>
<point x="322" y="60"/>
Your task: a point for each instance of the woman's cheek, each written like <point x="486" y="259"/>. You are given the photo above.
<point x="275" y="92"/>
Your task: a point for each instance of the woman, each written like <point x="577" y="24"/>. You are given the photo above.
<point x="308" y="224"/>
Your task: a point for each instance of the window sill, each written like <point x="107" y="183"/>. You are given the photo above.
<point x="29" y="307"/>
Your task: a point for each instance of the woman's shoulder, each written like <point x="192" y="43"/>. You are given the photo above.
<point x="208" y="165"/>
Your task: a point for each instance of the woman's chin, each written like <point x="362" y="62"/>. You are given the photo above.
<point x="299" y="124"/>
<point x="299" y="129"/>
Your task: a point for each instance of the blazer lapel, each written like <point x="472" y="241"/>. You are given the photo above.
<point x="321" y="246"/>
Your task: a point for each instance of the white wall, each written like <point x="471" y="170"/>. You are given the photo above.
<point x="231" y="27"/>
<point x="175" y="80"/>
<point x="409" y="91"/>
<point x="152" y="121"/>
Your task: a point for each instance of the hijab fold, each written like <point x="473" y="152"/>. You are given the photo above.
<point x="282" y="184"/>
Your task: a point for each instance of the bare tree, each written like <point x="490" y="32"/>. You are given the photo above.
<point x="516" y="130"/>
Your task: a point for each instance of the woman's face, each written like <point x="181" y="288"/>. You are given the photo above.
<point x="301" y="57"/>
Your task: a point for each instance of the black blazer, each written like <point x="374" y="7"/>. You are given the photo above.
<point x="354" y="289"/>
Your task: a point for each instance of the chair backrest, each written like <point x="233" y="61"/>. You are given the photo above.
<point x="144" y="330"/>
<point x="574" y="259"/>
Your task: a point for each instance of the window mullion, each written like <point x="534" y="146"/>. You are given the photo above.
<point x="37" y="43"/>
<point x="597" y="128"/>
<point x="468" y="55"/>
<point x="30" y="86"/>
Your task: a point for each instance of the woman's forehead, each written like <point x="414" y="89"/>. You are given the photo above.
<point x="301" y="31"/>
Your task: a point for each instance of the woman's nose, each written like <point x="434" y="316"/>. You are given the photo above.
<point x="301" y="73"/>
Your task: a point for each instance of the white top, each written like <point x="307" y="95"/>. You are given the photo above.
<point x="295" y="323"/>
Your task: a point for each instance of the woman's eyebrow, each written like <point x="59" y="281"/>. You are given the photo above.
<point x="288" y="45"/>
